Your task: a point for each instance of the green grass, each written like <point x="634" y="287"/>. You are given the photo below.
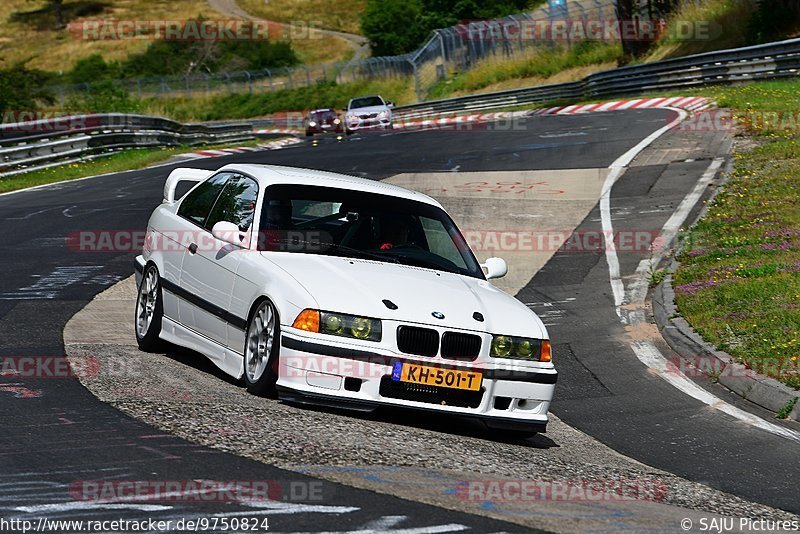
<point x="124" y="161"/>
<point x="243" y="106"/>
<point x="540" y="64"/>
<point x="739" y="280"/>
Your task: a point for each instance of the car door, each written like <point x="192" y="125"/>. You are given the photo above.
<point x="209" y="264"/>
<point x="181" y="229"/>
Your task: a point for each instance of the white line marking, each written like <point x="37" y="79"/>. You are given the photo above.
<point x="652" y="357"/>
<point x="86" y="505"/>
<point x="617" y="168"/>
<point x="646" y="351"/>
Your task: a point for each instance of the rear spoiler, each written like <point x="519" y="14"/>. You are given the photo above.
<point x="182" y="174"/>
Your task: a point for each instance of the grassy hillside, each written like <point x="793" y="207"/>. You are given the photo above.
<point x="28" y="32"/>
<point x="337" y="15"/>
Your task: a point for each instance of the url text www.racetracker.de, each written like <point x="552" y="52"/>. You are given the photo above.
<point x="194" y="524"/>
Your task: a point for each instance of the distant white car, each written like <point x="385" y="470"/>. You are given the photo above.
<point x="368" y="112"/>
<point x="342" y="291"/>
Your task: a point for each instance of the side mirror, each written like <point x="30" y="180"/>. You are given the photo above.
<point x="390" y="104"/>
<point x="229" y="233"/>
<point x="495" y="268"/>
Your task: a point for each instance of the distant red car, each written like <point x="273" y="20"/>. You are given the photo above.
<point x="322" y="121"/>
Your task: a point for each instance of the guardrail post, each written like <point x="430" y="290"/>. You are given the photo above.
<point x="416" y="80"/>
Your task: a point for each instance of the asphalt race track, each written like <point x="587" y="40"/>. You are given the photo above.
<point x="56" y="433"/>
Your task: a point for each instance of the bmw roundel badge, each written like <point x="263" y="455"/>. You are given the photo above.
<point x="438" y="315"/>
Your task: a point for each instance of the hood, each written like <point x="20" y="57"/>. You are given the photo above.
<point x="358" y="287"/>
<point x="370" y="109"/>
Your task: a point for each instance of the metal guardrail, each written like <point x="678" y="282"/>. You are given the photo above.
<point x="740" y="65"/>
<point x="29" y="145"/>
<point x="38" y="144"/>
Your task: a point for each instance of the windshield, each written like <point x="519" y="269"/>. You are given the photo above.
<point x="366" y="102"/>
<point x="322" y="115"/>
<point x="353" y="224"/>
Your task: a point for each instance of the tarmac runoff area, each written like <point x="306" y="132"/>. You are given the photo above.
<point x="575" y="479"/>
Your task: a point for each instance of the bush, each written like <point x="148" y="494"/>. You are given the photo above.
<point x="103" y="97"/>
<point x="184" y="57"/>
<point x="23" y="89"/>
<point x="92" y="68"/>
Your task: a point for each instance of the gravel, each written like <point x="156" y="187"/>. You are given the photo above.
<point x="184" y="394"/>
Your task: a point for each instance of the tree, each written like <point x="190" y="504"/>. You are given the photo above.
<point x="393" y="26"/>
<point x="58" y="12"/>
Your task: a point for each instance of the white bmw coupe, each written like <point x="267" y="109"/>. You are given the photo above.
<point x="341" y="291"/>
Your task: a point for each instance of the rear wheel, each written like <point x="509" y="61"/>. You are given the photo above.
<point x="261" y="350"/>
<point x="149" y="311"/>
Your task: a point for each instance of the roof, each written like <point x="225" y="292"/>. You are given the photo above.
<point x="274" y="174"/>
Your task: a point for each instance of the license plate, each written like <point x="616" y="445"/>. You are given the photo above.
<point x="436" y="376"/>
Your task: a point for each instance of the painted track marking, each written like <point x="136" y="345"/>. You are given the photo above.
<point x="646" y="351"/>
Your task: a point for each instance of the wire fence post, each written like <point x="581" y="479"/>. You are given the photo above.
<point x="416" y="80"/>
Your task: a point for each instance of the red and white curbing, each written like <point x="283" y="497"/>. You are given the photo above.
<point x="692" y="103"/>
<point x="216" y="153"/>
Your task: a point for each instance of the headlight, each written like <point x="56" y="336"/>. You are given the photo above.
<point x="383" y="114"/>
<point x="312" y="124"/>
<point x="336" y="121"/>
<point x="339" y="324"/>
<point x="352" y="118"/>
<point x="521" y="348"/>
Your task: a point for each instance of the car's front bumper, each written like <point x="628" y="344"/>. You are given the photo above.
<point x="369" y="124"/>
<point x="138" y="265"/>
<point x="334" y="373"/>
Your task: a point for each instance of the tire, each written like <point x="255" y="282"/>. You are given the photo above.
<point x="149" y="311"/>
<point x="309" y="134"/>
<point x="348" y="131"/>
<point x="261" y="350"/>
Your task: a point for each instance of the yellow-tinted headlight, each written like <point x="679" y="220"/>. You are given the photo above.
<point x="501" y="347"/>
<point x="362" y="328"/>
<point x="339" y="324"/>
<point x="333" y="324"/>
<point x="520" y="348"/>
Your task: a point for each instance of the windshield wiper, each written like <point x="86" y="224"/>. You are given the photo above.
<point x="364" y="253"/>
<point x="359" y="253"/>
<point x="419" y="262"/>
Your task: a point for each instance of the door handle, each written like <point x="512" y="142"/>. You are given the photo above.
<point x="193" y="248"/>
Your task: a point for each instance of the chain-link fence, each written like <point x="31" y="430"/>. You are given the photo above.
<point x="446" y="51"/>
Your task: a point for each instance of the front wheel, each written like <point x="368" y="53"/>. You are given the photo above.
<point x="149" y="311"/>
<point x="261" y="350"/>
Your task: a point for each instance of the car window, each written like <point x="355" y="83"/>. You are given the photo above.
<point x="236" y="203"/>
<point x="440" y="242"/>
<point x="341" y="222"/>
<point x="366" y="102"/>
<point x="198" y="203"/>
